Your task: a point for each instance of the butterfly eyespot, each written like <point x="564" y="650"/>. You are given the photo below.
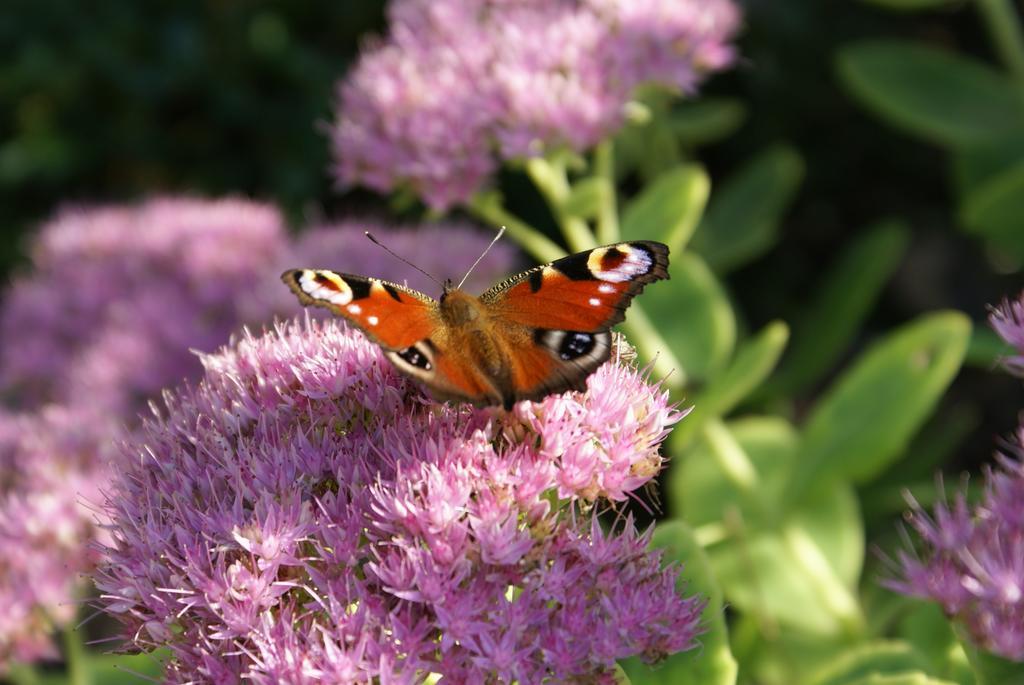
<point x="414" y="357"/>
<point x="576" y="345"/>
<point x="619" y="263"/>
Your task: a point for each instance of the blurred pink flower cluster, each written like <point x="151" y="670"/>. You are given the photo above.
<point x="304" y="514"/>
<point x="459" y="85"/>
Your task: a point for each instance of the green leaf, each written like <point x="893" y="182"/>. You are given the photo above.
<point x="988" y="668"/>
<point x="647" y="144"/>
<point x="977" y="164"/>
<point x="772" y="655"/>
<point x="752" y="364"/>
<point x="943" y="434"/>
<point x="587" y="197"/>
<point x="883" y="657"/>
<point x="742" y="220"/>
<point x="693" y="315"/>
<point x="945" y="98"/>
<point x="869" y="415"/>
<point x="702" y="483"/>
<point x="840" y="304"/>
<point x="669" y="208"/>
<point x="712" y="663"/>
<point x="986" y="349"/>
<point x="994" y="209"/>
<point x="659" y="150"/>
<point x="652" y="349"/>
<point x="927" y="628"/>
<point x="986" y="176"/>
<point x="706" y="120"/>
<point x="934" y="445"/>
<point x="840" y="538"/>
<point x="798" y="570"/>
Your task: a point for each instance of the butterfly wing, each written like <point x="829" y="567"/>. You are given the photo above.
<point x="391" y="315"/>
<point x="560" y="314"/>
<point x="540" y="368"/>
<point x="588" y="291"/>
<point x="404" y="322"/>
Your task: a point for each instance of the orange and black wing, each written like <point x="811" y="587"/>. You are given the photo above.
<point x="393" y="316"/>
<point x="586" y="292"/>
<point x="564" y="311"/>
<point x="404" y="322"/>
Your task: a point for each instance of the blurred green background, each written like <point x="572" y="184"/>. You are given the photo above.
<point x="106" y="102"/>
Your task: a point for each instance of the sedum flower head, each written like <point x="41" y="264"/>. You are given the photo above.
<point x="1008" y="320"/>
<point x="117" y="299"/>
<point x="459" y="85"/>
<point x="305" y="514"/>
<point x="971" y="559"/>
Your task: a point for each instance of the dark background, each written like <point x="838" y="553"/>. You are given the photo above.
<point x="111" y="101"/>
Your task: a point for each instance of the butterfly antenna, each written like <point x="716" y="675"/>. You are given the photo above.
<point x="484" y="254"/>
<point x="400" y="257"/>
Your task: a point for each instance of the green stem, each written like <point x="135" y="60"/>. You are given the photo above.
<point x="74" y="653"/>
<point x="711" y="534"/>
<point x="608" y="214"/>
<point x="829" y="589"/>
<point x="552" y="181"/>
<point x="730" y="456"/>
<point x="736" y="465"/>
<point x="651" y="347"/>
<point x="1003" y="26"/>
<point x="578" y="234"/>
<point x="488" y="208"/>
<point x="767" y="626"/>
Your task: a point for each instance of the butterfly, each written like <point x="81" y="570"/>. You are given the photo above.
<point x="540" y="332"/>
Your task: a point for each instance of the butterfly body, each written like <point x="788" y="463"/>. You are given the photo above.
<point x="540" y="332"/>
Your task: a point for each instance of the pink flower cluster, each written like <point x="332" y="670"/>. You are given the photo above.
<point x="972" y="562"/>
<point x="972" y="558"/>
<point x="1008" y="320"/>
<point x="48" y="464"/>
<point x="117" y="299"/>
<point x="461" y="84"/>
<point x="306" y="515"/>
